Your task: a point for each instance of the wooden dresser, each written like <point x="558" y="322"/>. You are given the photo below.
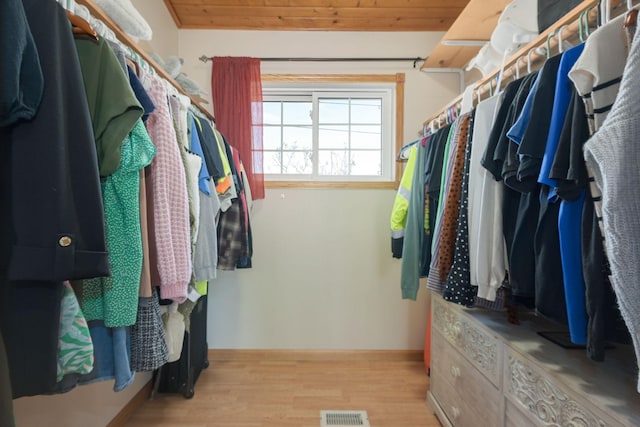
<point x="486" y="372"/>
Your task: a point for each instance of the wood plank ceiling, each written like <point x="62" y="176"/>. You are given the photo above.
<point x="323" y="15"/>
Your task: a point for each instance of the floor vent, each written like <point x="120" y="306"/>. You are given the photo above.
<point x="344" y="418"/>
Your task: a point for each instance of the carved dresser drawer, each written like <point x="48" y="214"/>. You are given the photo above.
<point x="464" y="394"/>
<point x="486" y="372"/>
<point x="478" y="345"/>
<point x="546" y="402"/>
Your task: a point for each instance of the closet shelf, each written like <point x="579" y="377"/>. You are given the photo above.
<point x="570" y="27"/>
<point x="128" y="41"/>
<point x="476" y="22"/>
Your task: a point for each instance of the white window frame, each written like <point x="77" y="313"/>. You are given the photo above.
<point x="281" y="87"/>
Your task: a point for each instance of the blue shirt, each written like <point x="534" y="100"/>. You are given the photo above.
<point x="516" y="133"/>
<point x="561" y="100"/>
<point x="196" y="148"/>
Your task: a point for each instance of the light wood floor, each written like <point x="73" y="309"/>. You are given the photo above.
<point x="281" y="393"/>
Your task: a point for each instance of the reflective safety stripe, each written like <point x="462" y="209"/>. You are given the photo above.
<point x="397" y="234"/>
<point x="404" y="192"/>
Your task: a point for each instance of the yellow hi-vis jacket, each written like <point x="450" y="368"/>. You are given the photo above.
<point x="401" y="205"/>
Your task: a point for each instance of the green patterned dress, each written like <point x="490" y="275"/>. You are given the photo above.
<point x="114" y="299"/>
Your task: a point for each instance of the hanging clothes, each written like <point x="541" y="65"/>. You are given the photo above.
<point x="65" y="240"/>
<point x="487" y="261"/>
<point x="114" y="299"/>
<point x="433" y="169"/>
<point x="458" y="287"/>
<point x="451" y="206"/>
<point x="410" y="281"/>
<point x="401" y="204"/>
<point x="453" y="139"/>
<point x="22" y="82"/>
<point x="612" y="155"/>
<point x="596" y="76"/>
<point x="168" y="201"/>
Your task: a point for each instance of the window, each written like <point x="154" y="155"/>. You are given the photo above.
<point x="329" y="132"/>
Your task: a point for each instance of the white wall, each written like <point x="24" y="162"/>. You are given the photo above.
<point x="165" y="33"/>
<point x="323" y="276"/>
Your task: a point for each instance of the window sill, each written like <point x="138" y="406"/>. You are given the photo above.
<point x="332" y="184"/>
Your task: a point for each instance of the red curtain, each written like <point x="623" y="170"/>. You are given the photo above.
<point x="236" y="87"/>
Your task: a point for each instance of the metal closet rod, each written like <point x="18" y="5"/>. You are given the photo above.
<point x="205" y="58"/>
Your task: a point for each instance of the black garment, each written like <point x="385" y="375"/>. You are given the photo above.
<point x="534" y="140"/>
<point x="549" y="284"/>
<point x="604" y="322"/>
<point x="209" y="148"/>
<point x="568" y="168"/>
<point x="433" y="172"/>
<point x="496" y="152"/>
<point x="21" y="80"/>
<point x="512" y="159"/>
<point x="51" y="212"/>
<point x="29" y="323"/>
<point x="58" y="215"/>
<point x="457" y="287"/>
<point x="6" y="403"/>
<point x="520" y="212"/>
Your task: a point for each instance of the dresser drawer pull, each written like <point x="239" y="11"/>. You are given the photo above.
<point x="455" y="371"/>
<point x="455" y="412"/>
<point x="456" y="331"/>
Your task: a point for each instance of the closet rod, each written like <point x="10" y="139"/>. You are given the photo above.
<point x="205" y="58"/>
<point x="124" y="38"/>
<point x="569" y="24"/>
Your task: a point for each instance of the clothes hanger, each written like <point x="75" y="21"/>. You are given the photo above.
<point x="80" y="26"/>
<point x="532" y="50"/>
<point x="632" y="15"/>
<point x="559" y="37"/>
<point x="548" y="44"/>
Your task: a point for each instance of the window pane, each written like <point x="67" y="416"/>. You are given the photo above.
<point x="367" y="111"/>
<point x="296" y="113"/>
<point x="333" y="162"/>
<point x="333" y="110"/>
<point x="366" y="163"/>
<point x="367" y="137"/>
<point x="333" y="137"/>
<point x="271" y="138"/>
<point x="297" y="137"/>
<point x="271" y="113"/>
<point x="297" y="162"/>
<point x="272" y="162"/>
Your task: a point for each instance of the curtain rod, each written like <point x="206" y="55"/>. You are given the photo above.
<point x="415" y="60"/>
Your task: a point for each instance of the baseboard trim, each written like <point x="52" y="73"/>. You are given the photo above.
<point x="134" y="404"/>
<point x="317" y="355"/>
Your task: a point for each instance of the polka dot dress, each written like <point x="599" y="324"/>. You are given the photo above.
<point x="450" y="218"/>
<point x="458" y="287"/>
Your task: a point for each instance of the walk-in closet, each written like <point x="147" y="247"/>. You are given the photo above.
<point x="314" y="213"/>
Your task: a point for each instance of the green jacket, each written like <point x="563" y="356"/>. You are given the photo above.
<point x="401" y="205"/>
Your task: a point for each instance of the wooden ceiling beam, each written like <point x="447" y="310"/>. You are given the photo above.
<point x="317" y="12"/>
<point x="456" y="4"/>
<point x="338" y="24"/>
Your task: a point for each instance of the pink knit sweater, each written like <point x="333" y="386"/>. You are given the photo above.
<point x="168" y="202"/>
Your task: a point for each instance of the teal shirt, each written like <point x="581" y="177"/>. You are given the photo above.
<point x="410" y="273"/>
